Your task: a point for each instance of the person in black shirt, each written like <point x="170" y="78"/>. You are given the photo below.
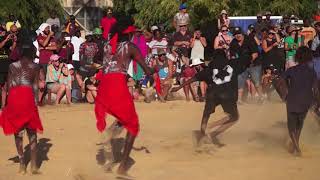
<point x="244" y="47"/>
<point x="222" y="79"/>
<point x="300" y="80"/>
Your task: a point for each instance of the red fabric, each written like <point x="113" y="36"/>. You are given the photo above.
<point x="158" y="84"/>
<point x="113" y="98"/>
<point x="20" y="112"/>
<point x="189" y="72"/>
<point x="114" y="43"/>
<point x="316" y="18"/>
<point x="107" y="23"/>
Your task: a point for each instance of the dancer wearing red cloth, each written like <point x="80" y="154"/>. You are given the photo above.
<point x="113" y="96"/>
<point x="21" y="112"/>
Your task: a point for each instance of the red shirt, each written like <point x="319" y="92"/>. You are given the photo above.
<point x="316" y="18"/>
<point x="45" y="54"/>
<point x="106" y="23"/>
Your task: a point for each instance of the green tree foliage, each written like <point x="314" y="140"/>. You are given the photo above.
<point x="30" y="13"/>
<point x="149" y="12"/>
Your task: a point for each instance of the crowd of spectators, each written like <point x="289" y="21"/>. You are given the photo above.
<point x="70" y="63"/>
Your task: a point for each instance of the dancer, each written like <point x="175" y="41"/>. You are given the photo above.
<point x="221" y="77"/>
<point x="113" y="96"/>
<point x="300" y="80"/>
<point x="21" y="112"/>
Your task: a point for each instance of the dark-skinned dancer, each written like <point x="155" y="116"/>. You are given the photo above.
<point x="21" y="112"/>
<point x="113" y="96"/>
<point x="222" y="79"/>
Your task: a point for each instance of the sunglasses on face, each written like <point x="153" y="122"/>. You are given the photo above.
<point x="224" y="30"/>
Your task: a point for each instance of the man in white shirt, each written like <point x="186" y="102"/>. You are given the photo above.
<point x="76" y="41"/>
<point x="157" y="43"/>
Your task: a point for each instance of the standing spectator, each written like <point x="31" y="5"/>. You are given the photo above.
<point x="107" y="22"/>
<point x="139" y="40"/>
<point x="181" y="17"/>
<point x="182" y="40"/>
<point x="53" y="20"/>
<point x="47" y="44"/>
<point x="199" y="65"/>
<point x="198" y="43"/>
<point x="97" y="33"/>
<point x="223" y="19"/>
<point x="259" y="25"/>
<point x="316" y="40"/>
<point x="76" y="42"/>
<point x="88" y="51"/>
<point x="270" y="48"/>
<point x="308" y="33"/>
<point x="267" y="22"/>
<point x="316" y="17"/>
<point x="72" y="26"/>
<point x="223" y="40"/>
<point x="285" y="23"/>
<point x="65" y="48"/>
<point x="243" y="47"/>
<point x="292" y="43"/>
<point x="54" y="72"/>
<point x="12" y="21"/>
<point x="8" y="43"/>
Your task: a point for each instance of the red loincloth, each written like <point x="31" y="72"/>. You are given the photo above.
<point x="113" y="98"/>
<point x="20" y="112"/>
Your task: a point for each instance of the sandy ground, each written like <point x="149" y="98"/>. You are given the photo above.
<point x="255" y="146"/>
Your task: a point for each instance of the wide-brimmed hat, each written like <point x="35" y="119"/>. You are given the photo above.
<point x="196" y="61"/>
<point x="130" y="29"/>
<point x="291" y="29"/>
<point x="223" y="12"/>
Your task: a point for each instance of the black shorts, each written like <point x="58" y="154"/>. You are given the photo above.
<point x="228" y="103"/>
<point x="76" y="65"/>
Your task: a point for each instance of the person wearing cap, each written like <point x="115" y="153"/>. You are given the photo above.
<point x="107" y="22"/>
<point x="222" y="79"/>
<point x="223" y="19"/>
<point x="243" y="47"/>
<point x="267" y="22"/>
<point x="98" y="39"/>
<point x="164" y="65"/>
<point x="88" y="50"/>
<point x="292" y="43"/>
<point x="12" y="21"/>
<point x="181" y="17"/>
<point x="21" y="112"/>
<point x="54" y="71"/>
<point x="72" y="26"/>
<point x="182" y="40"/>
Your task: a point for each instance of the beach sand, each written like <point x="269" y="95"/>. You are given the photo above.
<point x="255" y="147"/>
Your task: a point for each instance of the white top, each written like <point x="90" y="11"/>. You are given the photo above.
<point x="197" y="50"/>
<point x="76" y="46"/>
<point x="154" y="45"/>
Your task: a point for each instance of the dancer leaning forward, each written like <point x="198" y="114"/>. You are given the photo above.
<point x="222" y="79"/>
<point x="21" y="112"/>
<point x="113" y="96"/>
